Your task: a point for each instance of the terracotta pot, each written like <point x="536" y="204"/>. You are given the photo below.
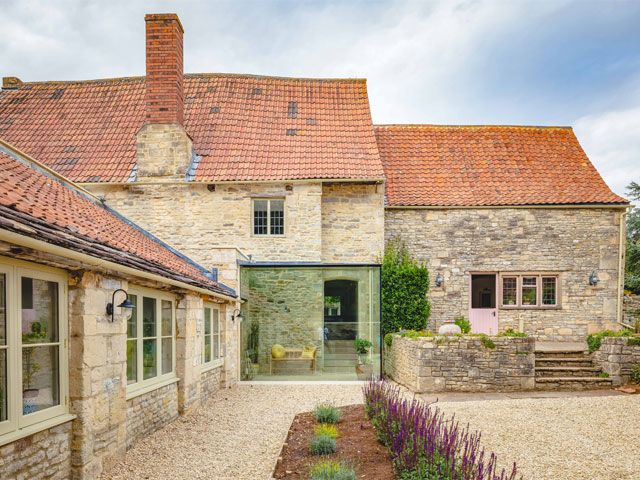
<point x="364" y="372"/>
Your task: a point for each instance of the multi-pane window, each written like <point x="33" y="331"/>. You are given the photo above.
<point x="268" y="217"/>
<point x="33" y="350"/>
<point x="530" y="290"/>
<point x="150" y="338"/>
<point x="211" y="352"/>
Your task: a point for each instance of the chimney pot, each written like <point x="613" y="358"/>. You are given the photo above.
<point x="11" y="83"/>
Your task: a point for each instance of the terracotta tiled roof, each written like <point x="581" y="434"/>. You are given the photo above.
<point x="38" y="204"/>
<point x="244" y="127"/>
<point x="436" y="165"/>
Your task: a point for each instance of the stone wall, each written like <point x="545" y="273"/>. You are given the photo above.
<point x="630" y="309"/>
<point x="571" y="242"/>
<point x="616" y="357"/>
<point x="46" y="454"/>
<point x="352" y="223"/>
<point x="210" y="383"/>
<point x="163" y="152"/>
<point x="462" y="364"/>
<point x="151" y="411"/>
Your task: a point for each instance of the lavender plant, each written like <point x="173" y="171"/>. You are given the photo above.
<point x="424" y="444"/>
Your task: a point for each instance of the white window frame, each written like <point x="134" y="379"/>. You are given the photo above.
<point x="519" y="284"/>
<point x="284" y="217"/>
<point x="215" y="336"/>
<point x="141" y="385"/>
<point x="18" y="425"/>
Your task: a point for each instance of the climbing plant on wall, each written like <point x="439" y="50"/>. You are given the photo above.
<point x="404" y="286"/>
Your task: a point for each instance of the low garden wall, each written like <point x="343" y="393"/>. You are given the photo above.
<point x="462" y="364"/>
<point x="616" y="357"/>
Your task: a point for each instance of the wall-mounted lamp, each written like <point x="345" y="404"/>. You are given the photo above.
<point x="593" y="279"/>
<point x="125" y="304"/>
<point x="236" y="314"/>
<point x="439" y="280"/>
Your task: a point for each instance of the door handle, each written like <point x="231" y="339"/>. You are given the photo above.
<point x="494" y="313"/>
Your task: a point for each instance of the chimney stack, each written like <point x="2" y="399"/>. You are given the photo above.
<point x="164" y="83"/>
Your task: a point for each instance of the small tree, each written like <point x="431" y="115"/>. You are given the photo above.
<point x="632" y="267"/>
<point x="404" y="287"/>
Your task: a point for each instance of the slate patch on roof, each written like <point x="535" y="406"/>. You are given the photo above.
<point x="49" y="209"/>
<point x="245" y="140"/>
<point x="440" y="165"/>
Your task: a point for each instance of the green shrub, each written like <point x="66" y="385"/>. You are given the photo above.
<point x="595" y="339"/>
<point x="635" y="374"/>
<point x="633" y="341"/>
<point x="322" y="445"/>
<point x="388" y="338"/>
<point x="326" y="429"/>
<point x="465" y="325"/>
<point x="604" y="375"/>
<point x="332" y="470"/>
<point x="487" y="342"/>
<point x="510" y="332"/>
<point x="362" y="346"/>
<point x="404" y="286"/>
<point x="326" y="413"/>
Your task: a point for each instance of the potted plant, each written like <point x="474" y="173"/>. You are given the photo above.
<point x="252" y="347"/>
<point x="364" y="368"/>
<point x="30" y="368"/>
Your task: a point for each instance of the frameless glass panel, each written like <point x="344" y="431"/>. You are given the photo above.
<point x="260" y="209"/>
<point x="40" y="320"/>
<point x="132" y="323"/>
<point x="148" y="317"/>
<point x="167" y="318"/>
<point x="529" y="290"/>
<point x="509" y="290"/>
<point x="167" y="355"/>
<point x="132" y="361"/>
<point x="149" y="359"/>
<point x="3" y="385"/>
<point x="549" y="291"/>
<point x="40" y="378"/>
<point x="277" y="217"/>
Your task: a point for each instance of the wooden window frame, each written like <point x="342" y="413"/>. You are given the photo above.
<point x="284" y="216"/>
<point x="141" y="385"/>
<point x="17" y="424"/>
<point x="539" y="276"/>
<point x="214" y="362"/>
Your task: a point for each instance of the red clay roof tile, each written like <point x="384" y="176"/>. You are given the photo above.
<point x="439" y="165"/>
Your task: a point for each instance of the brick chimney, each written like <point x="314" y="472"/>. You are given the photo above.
<point x="165" y="86"/>
<point x="164" y="149"/>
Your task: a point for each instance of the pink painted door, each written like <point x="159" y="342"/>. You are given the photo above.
<point x="483" y="311"/>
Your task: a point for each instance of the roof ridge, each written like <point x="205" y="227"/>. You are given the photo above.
<point x="431" y="125"/>
<point x="193" y="75"/>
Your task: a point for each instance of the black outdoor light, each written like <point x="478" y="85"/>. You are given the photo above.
<point x="593" y="279"/>
<point x="236" y="314"/>
<point x="125" y="304"/>
<point x="439" y="280"/>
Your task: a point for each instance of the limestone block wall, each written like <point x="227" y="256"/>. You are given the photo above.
<point x="631" y="308"/>
<point x="210" y="383"/>
<point x="46" y="454"/>
<point x="571" y="242"/>
<point x="151" y="411"/>
<point x="462" y="364"/>
<point x="189" y="318"/>
<point x="352" y="223"/>
<point x="163" y="152"/>
<point x="616" y="357"/>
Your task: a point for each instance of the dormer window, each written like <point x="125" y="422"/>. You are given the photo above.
<point x="268" y="217"/>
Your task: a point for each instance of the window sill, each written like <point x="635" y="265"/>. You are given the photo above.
<point x="532" y="307"/>
<point x="150" y="388"/>
<point x="212" y="365"/>
<point x="35" y="428"/>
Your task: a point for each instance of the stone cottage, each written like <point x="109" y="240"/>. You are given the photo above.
<point x="82" y="378"/>
<point x="288" y="190"/>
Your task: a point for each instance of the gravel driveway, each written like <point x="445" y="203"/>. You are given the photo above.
<point x="238" y="434"/>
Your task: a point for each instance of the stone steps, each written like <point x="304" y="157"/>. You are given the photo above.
<point x="572" y="383"/>
<point x="559" y="361"/>
<point x="567" y="371"/>
<point x="561" y="354"/>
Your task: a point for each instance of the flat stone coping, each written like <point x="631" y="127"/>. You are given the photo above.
<point x="479" y="396"/>
<point x="561" y="346"/>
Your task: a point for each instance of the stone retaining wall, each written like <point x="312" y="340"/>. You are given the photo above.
<point x="631" y="308"/>
<point x="210" y="383"/>
<point x="462" y="364"/>
<point x="46" y="454"/>
<point x="151" y="411"/>
<point x="616" y="357"/>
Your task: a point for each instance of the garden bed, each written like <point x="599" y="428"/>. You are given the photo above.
<point x="356" y="443"/>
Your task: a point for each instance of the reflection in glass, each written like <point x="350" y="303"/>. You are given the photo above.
<point x="167" y="360"/>
<point x="40" y="378"/>
<point x="148" y="317"/>
<point x="166" y="318"/>
<point x="216" y="335"/>
<point x="148" y="359"/>
<point x="39" y="311"/>
<point x="3" y="385"/>
<point x="3" y="310"/>
<point x="132" y="361"/>
<point x="132" y="323"/>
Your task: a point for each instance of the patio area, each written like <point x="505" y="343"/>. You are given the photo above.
<point x="238" y="433"/>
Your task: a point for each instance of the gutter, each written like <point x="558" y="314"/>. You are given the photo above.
<point x="29" y="242"/>
<point x="233" y="182"/>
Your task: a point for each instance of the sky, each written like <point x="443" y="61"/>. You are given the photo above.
<point x="462" y="62"/>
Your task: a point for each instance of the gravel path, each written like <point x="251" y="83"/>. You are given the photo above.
<point x="580" y="438"/>
<point x="238" y="434"/>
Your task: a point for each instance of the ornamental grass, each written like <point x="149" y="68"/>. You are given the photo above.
<point x="423" y="443"/>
